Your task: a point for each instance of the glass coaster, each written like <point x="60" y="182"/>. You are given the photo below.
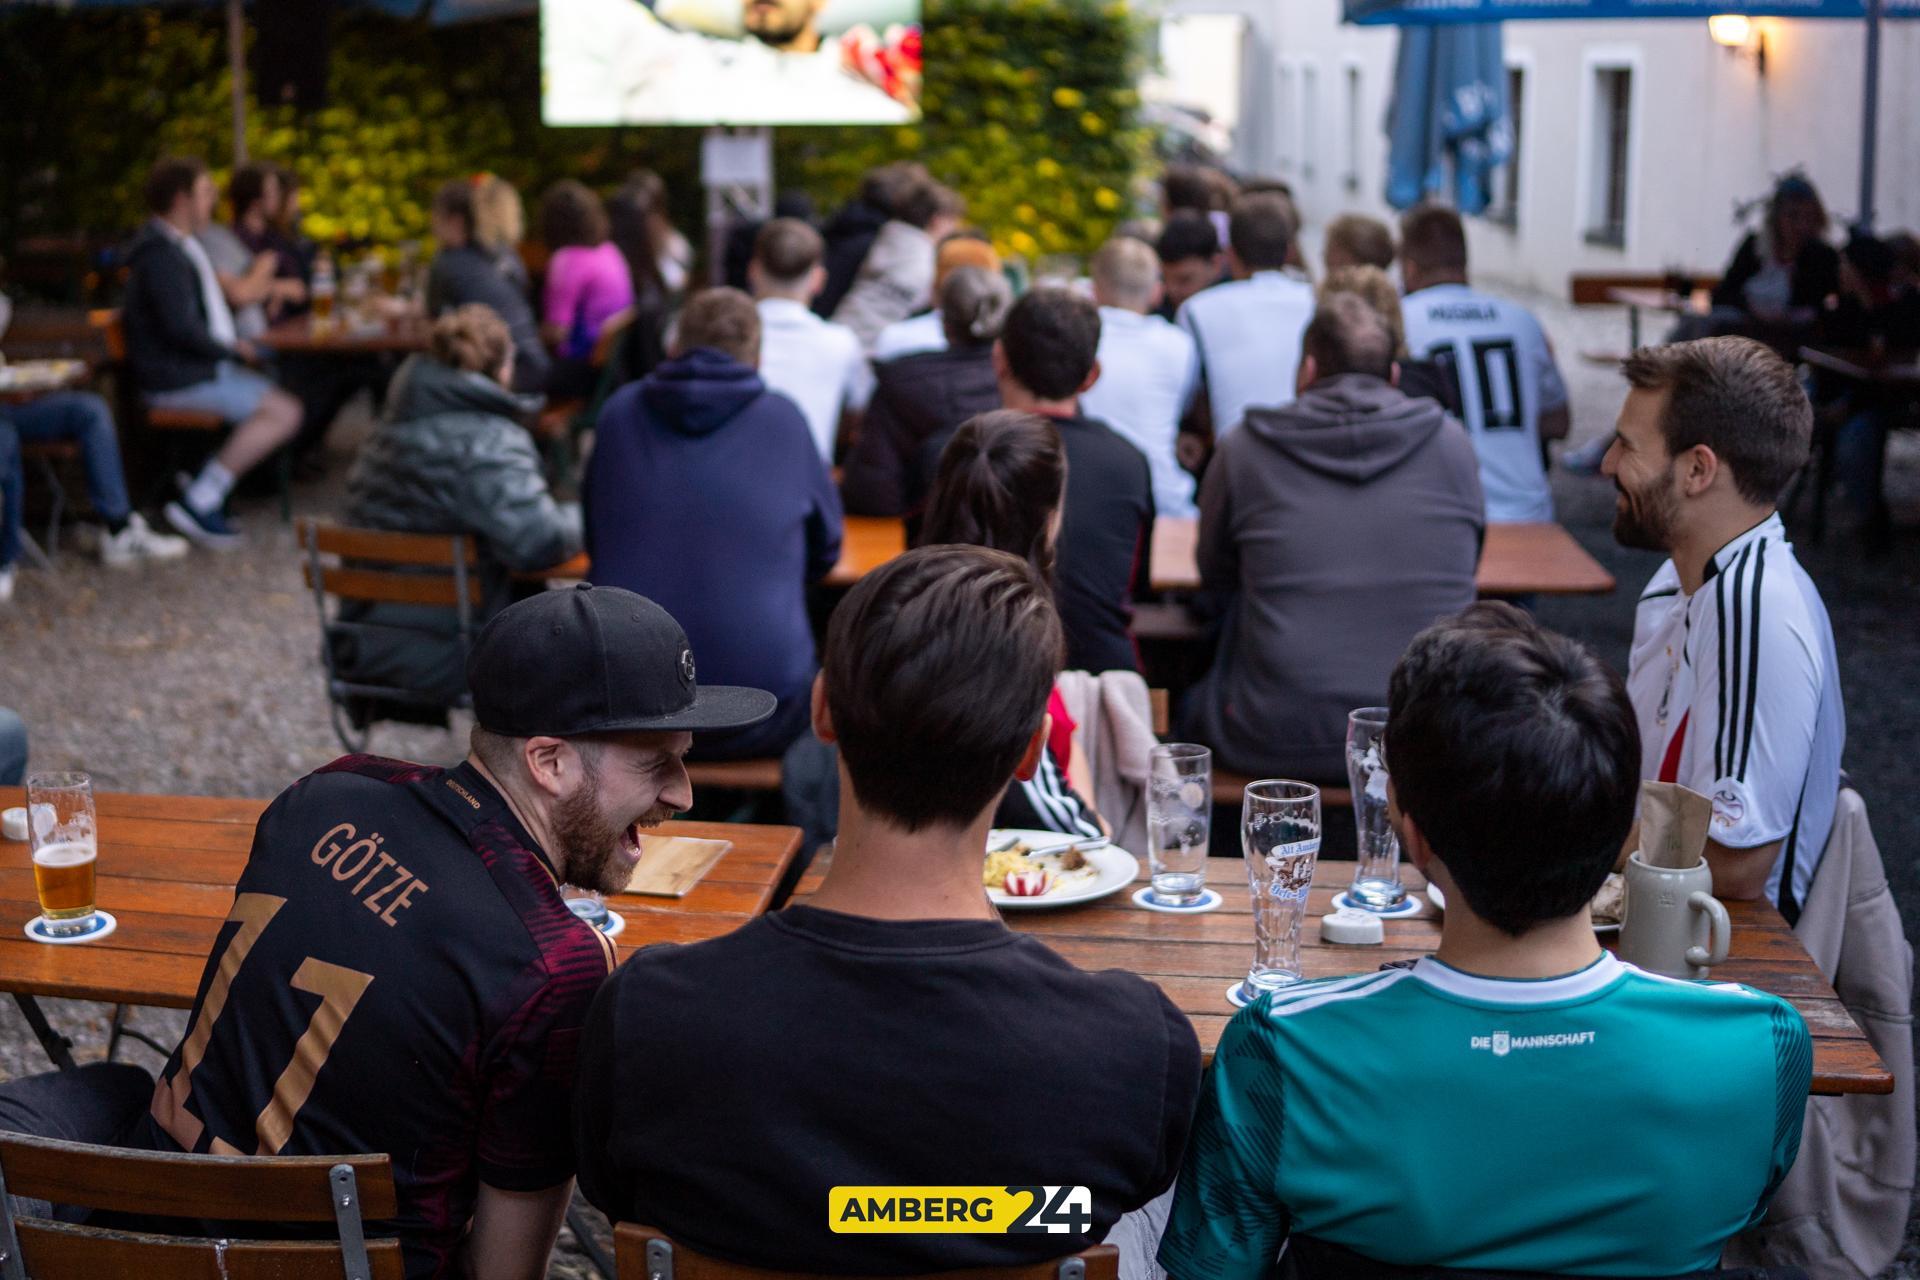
<point x="1144" y="897"/>
<point x="103" y="924"/>
<point x="1409" y="906"/>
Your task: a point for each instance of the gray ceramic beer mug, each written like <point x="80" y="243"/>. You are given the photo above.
<point x="1674" y="925"/>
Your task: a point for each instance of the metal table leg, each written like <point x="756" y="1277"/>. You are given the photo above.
<point x="583" y="1236"/>
<point x="59" y="1048"/>
<point x="1633" y="327"/>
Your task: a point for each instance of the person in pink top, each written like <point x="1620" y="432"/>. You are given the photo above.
<point x="587" y="282"/>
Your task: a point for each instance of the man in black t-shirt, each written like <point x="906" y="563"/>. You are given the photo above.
<point x="400" y="972"/>
<point x="891" y="1031"/>
<point x="1045" y="359"/>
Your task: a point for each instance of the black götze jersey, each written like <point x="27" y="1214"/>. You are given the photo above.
<point x="398" y="974"/>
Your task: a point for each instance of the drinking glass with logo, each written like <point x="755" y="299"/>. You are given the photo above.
<point x="62" y="829"/>
<point x="1179" y="821"/>
<point x="588" y="904"/>
<point x="1280" y="837"/>
<point x="1376" y="873"/>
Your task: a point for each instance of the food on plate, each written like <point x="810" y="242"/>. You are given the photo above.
<point x="1027" y="884"/>
<point x="1610" y="904"/>
<point x="1034" y="865"/>
<point x="1006" y="862"/>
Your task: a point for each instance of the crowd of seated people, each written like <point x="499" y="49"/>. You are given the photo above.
<point x="1342" y="450"/>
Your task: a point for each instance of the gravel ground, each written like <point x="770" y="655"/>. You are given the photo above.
<point x="201" y="677"/>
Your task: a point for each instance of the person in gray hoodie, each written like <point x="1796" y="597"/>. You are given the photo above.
<point x="1344" y="523"/>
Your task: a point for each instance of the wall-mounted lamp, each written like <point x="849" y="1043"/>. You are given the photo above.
<point x="1736" y="32"/>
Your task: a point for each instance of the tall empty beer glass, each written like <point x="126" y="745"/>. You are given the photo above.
<point x="1280" y="837"/>
<point x="1376" y="874"/>
<point x="61" y="827"/>
<point x="1179" y="819"/>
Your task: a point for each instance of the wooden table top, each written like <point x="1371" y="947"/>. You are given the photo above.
<point x="168" y="866"/>
<point x="301" y="336"/>
<point x="1518" y="559"/>
<point x="1864" y="367"/>
<point x="1699" y="302"/>
<point x="1195" y="959"/>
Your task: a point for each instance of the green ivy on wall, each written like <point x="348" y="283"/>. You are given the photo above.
<point x="1030" y="111"/>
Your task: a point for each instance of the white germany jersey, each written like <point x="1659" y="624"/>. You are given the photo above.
<point x="1507" y="378"/>
<point x="1737" y="691"/>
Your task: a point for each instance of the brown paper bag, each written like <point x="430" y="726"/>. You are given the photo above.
<point x="1673" y="825"/>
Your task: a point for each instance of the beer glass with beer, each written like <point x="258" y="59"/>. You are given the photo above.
<point x="61" y="827"/>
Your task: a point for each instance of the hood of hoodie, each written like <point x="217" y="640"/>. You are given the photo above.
<point x="426" y="388"/>
<point x="1352" y="427"/>
<point x="697" y="392"/>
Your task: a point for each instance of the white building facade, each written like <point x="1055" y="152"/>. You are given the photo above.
<point x="1635" y="140"/>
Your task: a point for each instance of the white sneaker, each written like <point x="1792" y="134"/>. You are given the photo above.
<point x="6" y="584"/>
<point x="138" y="542"/>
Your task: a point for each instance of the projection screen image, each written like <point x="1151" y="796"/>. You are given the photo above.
<point x="739" y="62"/>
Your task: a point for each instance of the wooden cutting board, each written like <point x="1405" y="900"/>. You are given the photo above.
<point x="672" y="865"/>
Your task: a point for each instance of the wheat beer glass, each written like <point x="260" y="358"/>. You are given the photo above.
<point x="1376" y="871"/>
<point x="62" y="829"/>
<point x="1280" y="836"/>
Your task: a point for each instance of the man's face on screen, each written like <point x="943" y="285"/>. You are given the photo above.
<point x="784" y="24"/>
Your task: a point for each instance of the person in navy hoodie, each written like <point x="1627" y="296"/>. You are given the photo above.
<point x="706" y="494"/>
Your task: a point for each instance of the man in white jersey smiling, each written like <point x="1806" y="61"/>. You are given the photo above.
<point x="1733" y="673"/>
<point x="1542" y="1142"/>
<point x="1511" y="395"/>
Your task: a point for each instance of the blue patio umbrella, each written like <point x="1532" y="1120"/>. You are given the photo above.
<point x="1438" y="15"/>
<point x="1449" y="118"/>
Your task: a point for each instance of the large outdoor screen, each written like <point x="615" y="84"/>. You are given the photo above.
<point x="741" y="62"/>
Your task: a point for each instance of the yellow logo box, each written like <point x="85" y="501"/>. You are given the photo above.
<point x="960" y="1210"/>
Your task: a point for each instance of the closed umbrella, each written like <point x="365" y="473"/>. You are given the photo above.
<point x="1416" y="14"/>
<point x="1449" y="115"/>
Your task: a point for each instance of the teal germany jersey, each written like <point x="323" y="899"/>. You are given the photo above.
<point x="1604" y="1123"/>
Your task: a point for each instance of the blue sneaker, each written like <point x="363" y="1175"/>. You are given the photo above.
<point x="208" y="529"/>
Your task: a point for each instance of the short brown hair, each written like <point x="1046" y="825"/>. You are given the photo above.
<point x="787" y="249"/>
<point x="454" y="200"/>
<point x="1368" y="241"/>
<point x="473" y="338"/>
<point x="1346" y="335"/>
<point x="937" y="670"/>
<point x="723" y="319"/>
<point x="170" y="178"/>
<point x="1371" y="285"/>
<point x="1433" y="238"/>
<point x="571" y="215"/>
<point x="926" y="200"/>
<point x="1736" y="397"/>
<point x="1260" y="230"/>
<point x="499" y="220"/>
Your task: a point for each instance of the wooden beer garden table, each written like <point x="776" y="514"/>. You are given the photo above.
<point x="302" y="336"/>
<point x="1518" y="559"/>
<point x="167" y="870"/>
<point x="1195" y="959"/>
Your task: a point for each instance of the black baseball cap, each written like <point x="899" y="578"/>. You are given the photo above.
<point x="596" y="660"/>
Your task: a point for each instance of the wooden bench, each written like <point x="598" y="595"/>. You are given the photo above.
<point x="344" y="1191"/>
<point x="644" y="1253"/>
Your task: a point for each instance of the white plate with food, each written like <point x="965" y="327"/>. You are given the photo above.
<point x="1606" y="900"/>
<point x="1037" y="870"/>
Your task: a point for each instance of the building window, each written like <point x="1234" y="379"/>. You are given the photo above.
<point x="1506" y="184"/>
<point x="1309" y="121"/>
<point x="1613" y="121"/>
<point x="1353" y="129"/>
